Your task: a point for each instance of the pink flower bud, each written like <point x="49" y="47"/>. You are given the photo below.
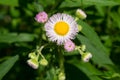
<point x="69" y="46"/>
<point x="41" y="17"/>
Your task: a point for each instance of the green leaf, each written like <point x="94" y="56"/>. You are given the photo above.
<point x="71" y="53"/>
<point x="116" y="18"/>
<point x="9" y="2"/>
<point x="38" y="7"/>
<point x="26" y="37"/>
<point x="99" y="56"/>
<point x="14" y="37"/>
<point x="70" y="3"/>
<point x="87" y="68"/>
<point x="91" y="35"/>
<point x="51" y="74"/>
<point x="7" y="65"/>
<point x="46" y="3"/>
<point x="14" y="12"/>
<point x="100" y="2"/>
<point x="100" y="10"/>
<point x="78" y="3"/>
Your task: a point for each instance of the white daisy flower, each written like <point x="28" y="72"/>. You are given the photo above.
<point x="61" y="28"/>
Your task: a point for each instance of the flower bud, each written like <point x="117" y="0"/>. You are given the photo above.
<point x="81" y="14"/>
<point x="83" y="47"/>
<point x="41" y="17"/>
<point x="86" y="56"/>
<point x="61" y="76"/>
<point x="79" y="27"/>
<point x="44" y="62"/>
<point x="33" y="63"/>
<point x="32" y="55"/>
<point x="69" y="46"/>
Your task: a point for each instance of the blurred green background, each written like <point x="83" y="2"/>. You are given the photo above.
<point x="20" y="33"/>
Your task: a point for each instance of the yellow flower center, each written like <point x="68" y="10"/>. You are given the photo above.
<point x="61" y="28"/>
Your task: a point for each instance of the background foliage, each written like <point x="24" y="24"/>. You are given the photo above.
<point x="20" y="33"/>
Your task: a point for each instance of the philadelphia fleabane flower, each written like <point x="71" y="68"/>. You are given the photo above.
<point x="60" y="28"/>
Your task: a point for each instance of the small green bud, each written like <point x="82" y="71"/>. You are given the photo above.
<point x="32" y="55"/>
<point x="81" y="14"/>
<point x="79" y="27"/>
<point x="44" y="62"/>
<point x="33" y="63"/>
<point x="83" y="47"/>
<point x="61" y="76"/>
<point x="44" y="37"/>
<point x="86" y="56"/>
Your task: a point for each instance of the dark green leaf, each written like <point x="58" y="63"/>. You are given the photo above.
<point x="116" y="17"/>
<point x="87" y="68"/>
<point x="71" y="53"/>
<point x="91" y="35"/>
<point x="7" y="65"/>
<point x="99" y="56"/>
<point x="78" y="3"/>
<point x="100" y="2"/>
<point x="14" y="37"/>
<point x="46" y="3"/>
<point x="38" y="7"/>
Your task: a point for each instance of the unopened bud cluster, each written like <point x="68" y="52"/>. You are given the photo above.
<point x="34" y="60"/>
<point x="85" y="56"/>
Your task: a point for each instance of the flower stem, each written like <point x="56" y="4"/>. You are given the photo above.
<point x="61" y="64"/>
<point x="61" y="60"/>
<point x="79" y="50"/>
<point x="39" y="50"/>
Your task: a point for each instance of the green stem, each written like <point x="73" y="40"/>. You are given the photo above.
<point x="76" y="19"/>
<point x="61" y="60"/>
<point x="56" y="6"/>
<point x="80" y="51"/>
<point x="39" y="50"/>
